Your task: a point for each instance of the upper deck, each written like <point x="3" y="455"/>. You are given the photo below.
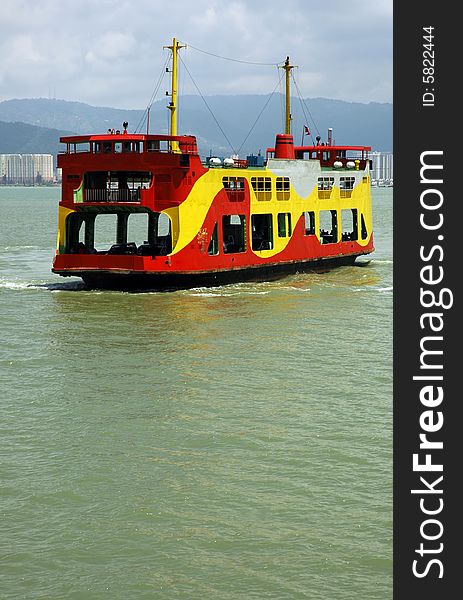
<point x="329" y="156"/>
<point x="124" y="144"/>
<point x="122" y="167"/>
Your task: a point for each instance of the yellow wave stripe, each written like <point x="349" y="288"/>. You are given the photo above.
<point x="188" y="217"/>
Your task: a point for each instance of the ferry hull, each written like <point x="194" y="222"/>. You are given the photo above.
<point x="150" y="281"/>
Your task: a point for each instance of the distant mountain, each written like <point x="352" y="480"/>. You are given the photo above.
<point x="61" y="114"/>
<point x="243" y="124"/>
<point x="22" y="138"/>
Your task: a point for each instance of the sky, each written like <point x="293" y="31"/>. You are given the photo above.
<point x="110" y="52"/>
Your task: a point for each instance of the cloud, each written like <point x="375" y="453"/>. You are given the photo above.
<point x="110" y="52"/>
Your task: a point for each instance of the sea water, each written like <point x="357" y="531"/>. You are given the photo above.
<point x="224" y="443"/>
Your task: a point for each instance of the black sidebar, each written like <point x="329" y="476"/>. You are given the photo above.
<point x="428" y="239"/>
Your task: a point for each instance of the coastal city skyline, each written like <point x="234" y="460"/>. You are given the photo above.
<point x="115" y="57"/>
<point x="38" y="169"/>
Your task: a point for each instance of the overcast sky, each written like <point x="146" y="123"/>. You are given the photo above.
<point x="110" y="52"/>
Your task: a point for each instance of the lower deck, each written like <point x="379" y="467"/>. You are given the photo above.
<point x="230" y="224"/>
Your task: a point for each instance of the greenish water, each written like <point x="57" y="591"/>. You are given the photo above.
<point x="228" y="443"/>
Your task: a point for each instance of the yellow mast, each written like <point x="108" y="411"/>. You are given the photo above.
<point x="288" y="117"/>
<point x="173" y="102"/>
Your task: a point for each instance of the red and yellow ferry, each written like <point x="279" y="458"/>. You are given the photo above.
<point x="212" y="222"/>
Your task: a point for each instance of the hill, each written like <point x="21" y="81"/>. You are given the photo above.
<point x="22" y="138"/>
<point x="248" y="121"/>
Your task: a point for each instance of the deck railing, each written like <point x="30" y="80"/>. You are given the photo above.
<point x="102" y="195"/>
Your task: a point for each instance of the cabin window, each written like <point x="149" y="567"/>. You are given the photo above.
<point x="77" y="147"/>
<point x="284" y="224"/>
<point x="131" y="146"/>
<point x="363" y="228"/>
<point x="75" y="233"/>
<point x="159" y="239"/>
<point x="214" y="243"/>
<point x="164" y="225"/>
<point x="234" y="187"/>
<point x="262" y="186"/>
<point x="153" y="146"/>
<point x="158" y="146"/>
<point x="349" y="224"/>
<point x="233" y="183"/>
<point x="346" y="185"/>
<point x="234" y="233"/>
<point x="309" y="223"/>
<point x="137" y="228"/>
<point x="328" y="226"/>
<point x="325" y="185"/>
<point x="106" y="230"/>
<point x="282" y="188"/>
<point x="262" y="232"/>
<point x="118" y="147"/>
<point x="184" y="160"/>
<point x="81" y="233"/>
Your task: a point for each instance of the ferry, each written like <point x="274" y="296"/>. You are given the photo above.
<point x="208" y="222"/>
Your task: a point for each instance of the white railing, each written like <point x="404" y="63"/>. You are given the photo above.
<point x="98" y="195"/>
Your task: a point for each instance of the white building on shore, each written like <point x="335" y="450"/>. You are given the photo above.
<point x="26" y="169"/>
<point x="383" y="168"/>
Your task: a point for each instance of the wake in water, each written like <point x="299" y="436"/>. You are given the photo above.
<point x="368" y="278"/>
<point x="65" y="286"/>
<point x="19" y="248"/>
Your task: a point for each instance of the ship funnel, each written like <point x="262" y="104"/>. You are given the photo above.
<point x="284" y="146"/>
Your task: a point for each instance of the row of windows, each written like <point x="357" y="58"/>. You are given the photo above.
<point x="151" y="233"/>
<point x="234" y="232"/>
<point x="262" y="187"/>
<point x="148" y="234"/>
<point x="262" y="234"/>
<point x="109" y="147"/>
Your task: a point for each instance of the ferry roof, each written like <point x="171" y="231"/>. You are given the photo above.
<point x="320" y="148"/>
<point x="121" y="137"/>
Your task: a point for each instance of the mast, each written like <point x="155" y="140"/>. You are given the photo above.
<point x="288" y="117"/>
<point x="173" y="100"/>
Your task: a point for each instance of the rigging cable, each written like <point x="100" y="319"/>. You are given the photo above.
<point x="246" y="62"/>
<point x="144" y="116"/>
<point x="260" y="114"/>
<point x="181" y="88"/>
<point x="207" y="106"/>
<point x="303" y="109"/>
